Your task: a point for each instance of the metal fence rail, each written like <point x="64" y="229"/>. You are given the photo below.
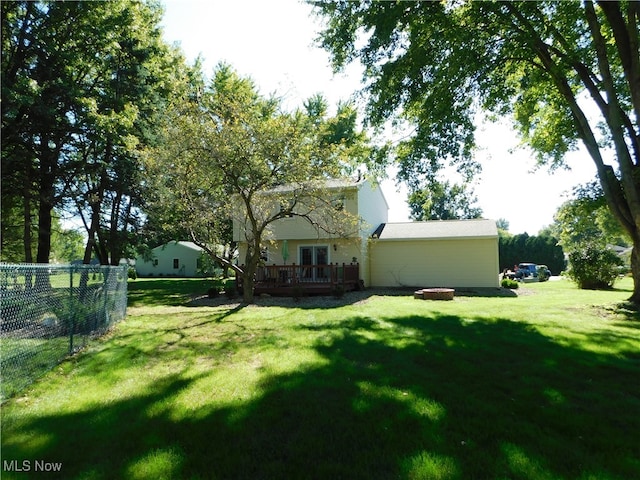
<point x="50" y="311"/>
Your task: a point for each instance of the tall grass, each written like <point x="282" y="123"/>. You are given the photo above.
<point x="539" y="386"/>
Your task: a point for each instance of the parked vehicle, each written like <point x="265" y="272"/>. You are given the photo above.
<point x="526" y="270"/>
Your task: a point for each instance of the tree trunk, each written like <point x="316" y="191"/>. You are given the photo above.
<point x="45" y="200"/>
<point x="28" y="249"/>
<point x="48" y="160"/>
<point x="247" y="287"/>
<point x="248" y="277"/>
<point x="635" y="270"/>
<point x="44" y="231"/>
<point x="26" y="233"/>
<point x="89" y="250"/>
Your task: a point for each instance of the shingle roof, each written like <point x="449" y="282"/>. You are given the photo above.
<point x="330" y="183"/>
<point x="186" y="244"/>
<point x="438" y="230"/>
<point x="191" y="245"/>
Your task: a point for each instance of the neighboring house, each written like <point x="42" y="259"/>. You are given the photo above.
<point x="451" y="253"/>
<point x="173" y="259"/>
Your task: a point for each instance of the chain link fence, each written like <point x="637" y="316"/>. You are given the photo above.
<point x="50" y="311"/>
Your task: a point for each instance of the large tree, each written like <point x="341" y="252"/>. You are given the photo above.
<point x="82" y="83"/>
<point x="585" y="219"/>
<point x="230" y="153"/>
<point x="566" y="72"/>
<point x="442" y="200"/>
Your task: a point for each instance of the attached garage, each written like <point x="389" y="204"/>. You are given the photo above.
<point x="449" y="253"/>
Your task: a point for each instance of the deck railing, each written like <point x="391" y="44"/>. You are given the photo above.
<point x="274" y="277"/>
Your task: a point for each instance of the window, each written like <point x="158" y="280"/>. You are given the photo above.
<point x="155" y="262"/>
<point x="176" y="263"/>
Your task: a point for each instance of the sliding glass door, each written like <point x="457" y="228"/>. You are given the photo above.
<point x="312" y="260"/>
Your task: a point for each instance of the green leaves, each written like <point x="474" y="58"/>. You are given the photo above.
<point x="83" y="86"/>
<point x="586" y="219"/>
<point x="434" y="64"/>
<point x="443" y="201"/>
<point x="594" y="268"/>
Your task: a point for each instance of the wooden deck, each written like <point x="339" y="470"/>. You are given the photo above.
<point x="291" y="280"/>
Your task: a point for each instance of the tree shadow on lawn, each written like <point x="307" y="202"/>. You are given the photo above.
<point x="149" y="292"/>
<point x="411" y="397"/>
<point x="348" y="298"/>
<point x="192" y="292"/>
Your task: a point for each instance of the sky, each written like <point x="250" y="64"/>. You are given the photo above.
<point x="273" y="43"/>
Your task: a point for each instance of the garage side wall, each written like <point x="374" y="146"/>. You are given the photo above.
<point x="435" y="263"/>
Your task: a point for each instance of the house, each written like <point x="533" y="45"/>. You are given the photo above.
<point x="173" y="259"/>
<point x="453" y="253"/>
<point x="294" y="241"/>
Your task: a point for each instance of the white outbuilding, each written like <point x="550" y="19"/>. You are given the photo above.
<point x="173" y="259"/>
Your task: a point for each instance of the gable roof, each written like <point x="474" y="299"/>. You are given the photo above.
<point x="437" y="230"/>
<point x="329" y="183"/>
<point x="189" y="245"/>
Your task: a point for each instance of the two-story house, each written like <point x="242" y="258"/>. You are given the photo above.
<point x="456" y="253"/>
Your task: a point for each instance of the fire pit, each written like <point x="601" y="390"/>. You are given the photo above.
<point x="434" y="294"/>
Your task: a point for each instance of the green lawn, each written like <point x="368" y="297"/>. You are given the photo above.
<point x="545" y="385"/>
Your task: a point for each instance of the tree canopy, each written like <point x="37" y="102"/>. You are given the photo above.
<point x="443" y="201"/>
<point x="585" y="220"/>
<point x="82" y="86"/>
<point x="565" y="72"/>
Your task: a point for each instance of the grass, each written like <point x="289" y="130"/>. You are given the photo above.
<point x="540" y="386"/>
<point x="152" y="292"/>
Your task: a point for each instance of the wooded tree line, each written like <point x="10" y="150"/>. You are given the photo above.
<point x="542" y="249"/>
<point x="83" y="86"/>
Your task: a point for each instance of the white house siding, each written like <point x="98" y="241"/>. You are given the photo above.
<point x="362" y="198"/>
<point x="162" y="264"/>
<point x="435" y="263"/>
<point x="374" y="210"/>
<point x="372" y="207"/>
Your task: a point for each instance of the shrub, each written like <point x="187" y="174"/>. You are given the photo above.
<point x="593" y="267"/>
<point x="508" y="283"/>
<point x="132" y="274"/>
<point x="217" y="288"/>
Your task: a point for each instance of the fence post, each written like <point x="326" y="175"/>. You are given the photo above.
<point x="72" y="322"/>
<point x="105" y="291"/>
